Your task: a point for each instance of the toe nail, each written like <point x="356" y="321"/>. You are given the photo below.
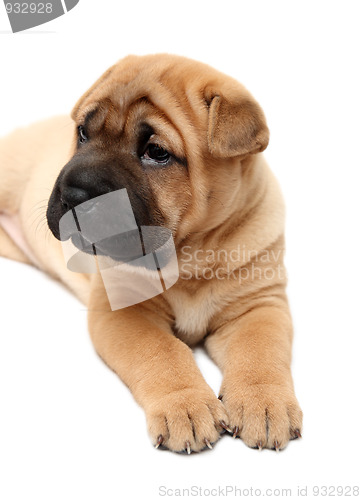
<point x="159" y="441"/>
<point x="223" y="424"/>
<point x="220" y="397"/>
<point x="277" y="446"/>
<point x="208" y="444"/>
<point x="235" y="431"/>
<point x="298" y="434"/>
<point x="188" y="447"/>
<point x="259" y="445"/>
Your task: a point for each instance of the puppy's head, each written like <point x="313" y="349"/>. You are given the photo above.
<point x="173" y="132"/>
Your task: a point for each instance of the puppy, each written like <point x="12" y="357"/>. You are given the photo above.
<point x="186" y="142"/>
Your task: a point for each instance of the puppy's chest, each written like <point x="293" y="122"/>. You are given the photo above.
<point x="193" y="313"/>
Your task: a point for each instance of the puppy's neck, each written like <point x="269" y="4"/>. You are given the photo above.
<point x="250" y="217"/>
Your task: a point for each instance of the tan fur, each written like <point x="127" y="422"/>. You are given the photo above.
<point x="227" y="201"/>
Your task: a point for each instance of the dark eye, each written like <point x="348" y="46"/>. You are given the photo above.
<point x="156" y="153"/>
<point x="82" y="134"/>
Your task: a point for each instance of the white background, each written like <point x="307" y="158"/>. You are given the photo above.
<point x="69" y="429"/>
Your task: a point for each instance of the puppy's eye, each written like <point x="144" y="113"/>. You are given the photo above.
<point x="82" y="136"/>
<point x="156" y="153"/>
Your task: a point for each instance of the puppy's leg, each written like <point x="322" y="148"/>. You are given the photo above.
<point x="254" y="353"/>
<point x="11" y="183"/>
<point x="137" y="343"/>
<point x="9" y="250"/>
<point x="17" y="159"/>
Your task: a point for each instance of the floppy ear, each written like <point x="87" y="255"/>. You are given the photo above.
<point x="237" y="126"/>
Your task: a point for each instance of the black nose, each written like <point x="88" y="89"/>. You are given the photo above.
<point x="73" y="196"/>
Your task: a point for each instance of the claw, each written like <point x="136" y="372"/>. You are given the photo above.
<point x="159" y="441"/>
<point x="277" y="446"/>
<point x="298" y="434"/>
<point x="188" y="447"/>
<point x="207" y="443"/>
<point x="220" y="397"/>
<point x="223" y="424"/>
<point x="235" y="431"/>
<point x="259" y="445"/>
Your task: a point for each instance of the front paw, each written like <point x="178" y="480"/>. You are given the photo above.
<point x="263" y="415"/>
<point x="186" y="420"/>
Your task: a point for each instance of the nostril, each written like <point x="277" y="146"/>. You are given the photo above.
<point x="65" y="205"/>
<point x="73" y="196"/>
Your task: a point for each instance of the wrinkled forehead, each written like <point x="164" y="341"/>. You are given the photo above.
<point x="113" y="93"/>
<point x="127" y="92"/>
<point x="139" y="121"/>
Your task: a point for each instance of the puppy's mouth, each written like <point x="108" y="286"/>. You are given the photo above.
<point x="94" y="229"/>
<point x="147" y="247"/>
<point x="136" y="261"/>
<point x="122" y="248"/>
